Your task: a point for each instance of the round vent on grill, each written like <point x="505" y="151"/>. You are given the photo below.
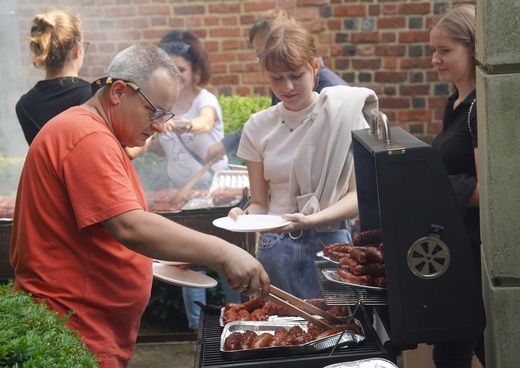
<point x="428" y="257"/>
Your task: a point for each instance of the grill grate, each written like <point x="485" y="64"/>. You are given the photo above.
<point x="335" y="293"/>
<point x="208" y="352"/>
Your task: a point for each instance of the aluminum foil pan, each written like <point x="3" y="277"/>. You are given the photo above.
<point x="349" y="338"/>
<point x="207" y="202"/>
<point x="229" y="179"/>
<point x="272" y="318"/>
<point x="365" y="363"/>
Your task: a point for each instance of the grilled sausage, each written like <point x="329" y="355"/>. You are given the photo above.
<point x="247" y="339"/>
<point x="347" y="276"/>
<point x="279" y="335"/>
<point x="261" y="341"/>
<point x="230" y="315"/>
<point x="328" y="333"/>
<point x="233" y="341"/>
<point x="367" y="237"/>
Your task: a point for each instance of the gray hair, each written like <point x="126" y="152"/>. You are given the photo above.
<point x="138" y="62"/>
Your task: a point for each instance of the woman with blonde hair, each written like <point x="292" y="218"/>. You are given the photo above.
<point x="452" y="41"/>
<point x="58" y="47"/>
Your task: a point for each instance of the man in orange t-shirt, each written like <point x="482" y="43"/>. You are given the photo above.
<point x="82" y="239"/>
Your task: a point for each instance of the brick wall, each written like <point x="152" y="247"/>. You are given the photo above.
<point x="381" y="44"/>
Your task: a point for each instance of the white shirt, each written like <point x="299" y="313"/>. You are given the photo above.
<point x="182" y="166"/>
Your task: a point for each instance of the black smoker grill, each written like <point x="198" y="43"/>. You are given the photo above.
<point x="433" y="292"/>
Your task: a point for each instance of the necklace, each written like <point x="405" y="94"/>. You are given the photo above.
<point x="301" y="122"/>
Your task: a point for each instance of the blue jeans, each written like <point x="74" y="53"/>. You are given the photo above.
<point x="190" y="295"/>
<point x="290" y="263"/>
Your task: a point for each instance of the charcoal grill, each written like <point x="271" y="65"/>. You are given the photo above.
<point x="208" y="352"/>
<point x="433" y="292"/>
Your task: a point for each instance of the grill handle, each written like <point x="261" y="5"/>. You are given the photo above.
<point x="380" y="118"/>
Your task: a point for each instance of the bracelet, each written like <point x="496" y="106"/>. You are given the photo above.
<point x="190" y="125"/>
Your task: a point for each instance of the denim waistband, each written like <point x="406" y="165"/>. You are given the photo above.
<point x="297" y="234"/>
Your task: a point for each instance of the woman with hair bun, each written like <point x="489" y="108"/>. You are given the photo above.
<point x="58" y="47"/>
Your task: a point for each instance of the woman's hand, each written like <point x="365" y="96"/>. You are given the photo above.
<point x="298" y="222"/>
<point x="178" y="125"/>
<point x="237" y="211"/>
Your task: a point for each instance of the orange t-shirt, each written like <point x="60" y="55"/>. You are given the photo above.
<point x="76" y="174"/>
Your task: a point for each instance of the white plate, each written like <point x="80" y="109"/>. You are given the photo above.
<point x="175" y="276"/>
<point x="331" y="274"/>
<point x="171" y="263"/>
<point x="238" y="167"/>
<point x="321" y="255"/>
<point x="250" y="223"/>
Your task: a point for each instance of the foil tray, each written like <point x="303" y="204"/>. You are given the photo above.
<point x="349" y="338"/>
<point x="229" y="179"/>
<point x="364" y="363"/>
<point x="207" y="202"/>
<point x="272" y="318"/>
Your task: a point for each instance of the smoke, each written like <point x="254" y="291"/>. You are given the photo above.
<point x="12" y="141"/>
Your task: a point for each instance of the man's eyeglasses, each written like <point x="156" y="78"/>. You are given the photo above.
<point x="155" y="114"/>
<point x="85" y="45"/>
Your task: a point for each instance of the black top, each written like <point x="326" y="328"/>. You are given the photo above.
<point x="326" y="78"/>
<point x="47" y="99"/>
<point x="456" y="143"/>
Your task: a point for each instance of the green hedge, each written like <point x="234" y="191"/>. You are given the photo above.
<point x="33" y="336"/>
<point x="236" y="110"/>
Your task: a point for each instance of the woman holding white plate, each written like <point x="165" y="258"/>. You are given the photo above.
<point x="299" y="159"/>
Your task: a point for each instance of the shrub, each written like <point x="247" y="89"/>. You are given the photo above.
<point x="33" y="336"/>
<point x="236" y="110"/>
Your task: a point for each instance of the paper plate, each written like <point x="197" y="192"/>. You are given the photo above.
<point x="175" y="276"/>
<point x="171" y="263"/>
<point x="251" y="223"/>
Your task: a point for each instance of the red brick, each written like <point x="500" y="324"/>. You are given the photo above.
<point x="350" y="11"/>
<point x="225" y="79"/>
<point x="414" y="36"/>
<point x="364" y="64"/>
<point x="414" y="90"/>
<point x="189" y="10"/>
<point x="394" y="22"/>
<point x="415" y="115"/>
<point x="365" y="37"/>
<point x="393" y="103"/>
<point x="415" y="8"/>
<point x="224" y="8"/>
<point x="390" y="50"/>
<point x="390" y="77"/>
<point x="390" y="63"/>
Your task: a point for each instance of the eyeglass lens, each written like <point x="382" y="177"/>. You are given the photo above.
<point x="157" y="113"/>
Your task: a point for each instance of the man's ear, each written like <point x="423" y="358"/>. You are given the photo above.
<point x="117" y="90"/>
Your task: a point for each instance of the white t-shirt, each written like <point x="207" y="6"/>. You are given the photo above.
<point x="181" y="164"/>
<point x="266" y="139"/>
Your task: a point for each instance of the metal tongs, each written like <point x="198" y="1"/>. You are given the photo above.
<point x="302" y="309"/>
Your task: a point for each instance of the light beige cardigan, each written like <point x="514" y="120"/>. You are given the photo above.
<point x="323" y="161"/>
